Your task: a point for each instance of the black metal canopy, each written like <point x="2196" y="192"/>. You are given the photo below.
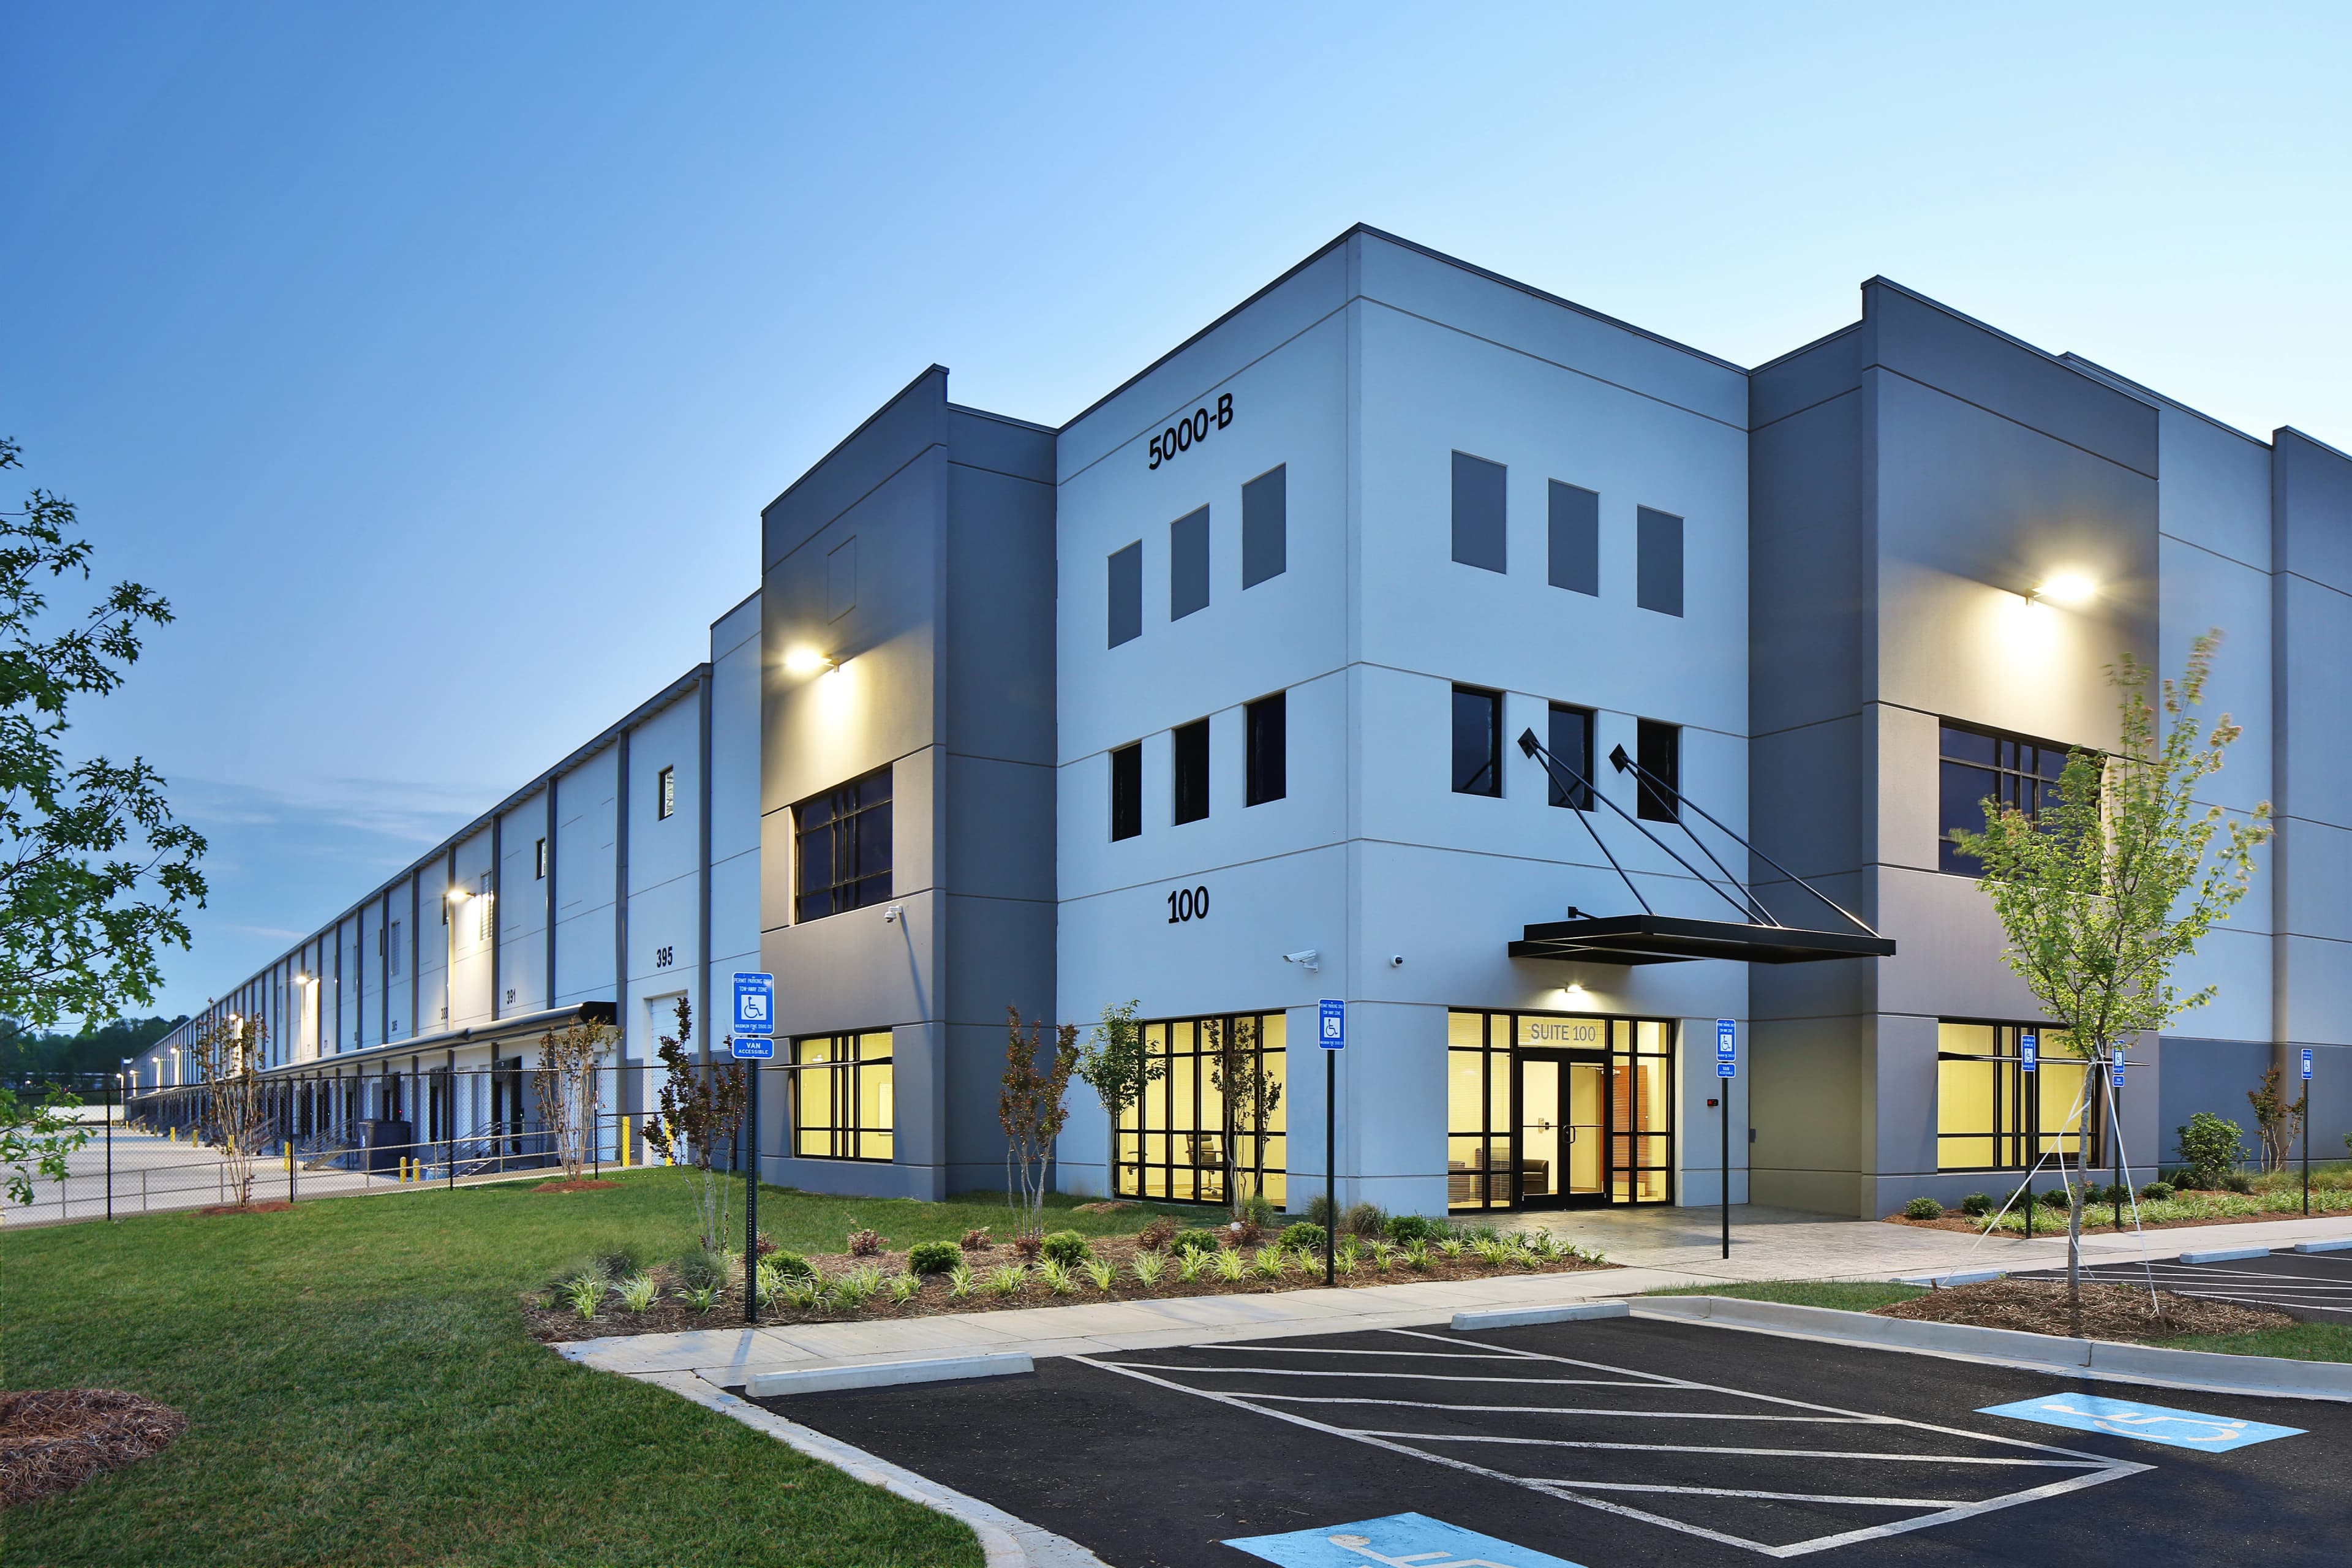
<point x="1757" y="936"/>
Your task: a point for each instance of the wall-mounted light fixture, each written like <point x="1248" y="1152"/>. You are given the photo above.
<point x="459" y="895"/>
<point x="2063" y="588"/>
<point x="808" y="661"/>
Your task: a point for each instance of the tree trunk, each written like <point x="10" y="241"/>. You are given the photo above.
<point x="2074" y="1208"/>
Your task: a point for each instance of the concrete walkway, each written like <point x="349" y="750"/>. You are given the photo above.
<point x="1677" y="1247"/>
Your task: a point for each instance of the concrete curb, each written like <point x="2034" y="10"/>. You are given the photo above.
<point x="2344" y="1245"/>
<point x="888" y="1374"/>
<point x="2225" y="1255"/>
<point x="1946" y="1282"/>
<point x="1005" y="1541"/>
<point x="2207" y="1370"/>
<point x="1516" y="1317"/>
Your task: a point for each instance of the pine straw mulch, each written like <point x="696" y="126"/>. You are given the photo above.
<point x="53" y="1439"/>
<point x="552" y="1319"/>
<point x="2052" y="1222"/>
<point x="2110" y="1311"/>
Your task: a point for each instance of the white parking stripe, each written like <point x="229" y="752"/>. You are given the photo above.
<point x="1415" y="1376"/>
<point x="1762" y="1453"/>
<point x="1557" y="1409"/>
<point x="1326" y="1350"/>
<point x="1769" y="1497"/>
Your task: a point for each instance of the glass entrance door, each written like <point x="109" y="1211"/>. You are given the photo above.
<point x="1563" y="1132"/>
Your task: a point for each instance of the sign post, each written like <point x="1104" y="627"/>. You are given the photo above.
<point x="752" y="1040"/>
<point x="1331" y="1033"/>
<point x="2028" y="1048"/>
<point x="2115" y="1126"/>
<point x="1727" y="1071"/>
<point x="2306" y="1129"/>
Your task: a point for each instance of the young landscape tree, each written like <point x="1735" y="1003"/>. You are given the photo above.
<point x="569" y="1084"/>
<point x="94" y="870"/>
<point x="701" y="1106"/>
<point x="1115" y="1065"/>
<point x="1248" y="1091"/>
<point x="228" y="1054"/>
<point x="2277" y="1119"/>
<point x="2104" y="890"/>
<point x="1032" y="1108"/>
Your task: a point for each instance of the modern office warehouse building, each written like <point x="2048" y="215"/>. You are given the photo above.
<point x="1545" y="689"/>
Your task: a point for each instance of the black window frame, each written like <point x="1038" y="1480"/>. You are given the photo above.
<point x="1479" y="540"/>
<point x="840" y="1076"/>
<point x="1572" y="517"/>
<point x="1266" y="526"/>
<point x="1172" y="1115"/>
<point x="1188" y="772"/>
<point x="539" y="861"/>
<point x="856" y="814"/>
<point x="1579" y="757"/>
<point x="1265" y="749"/>
<point x="1491" y="768"/>
<point x="1659" y="554"/>
<point x="2022" y="771"/>
<point x="1188" y="564"/>
<point x="1127" y="790"/>
<point x="666" y="794"/>
<point x="2017" y="1134"/>
<point x="1658" y="748"/>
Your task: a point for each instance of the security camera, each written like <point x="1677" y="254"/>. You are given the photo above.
<point x="1396" y="961"/>
<point x="890" y="916"/>
<point x="1308" y="958"/>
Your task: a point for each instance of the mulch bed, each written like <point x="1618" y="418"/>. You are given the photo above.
<point x="551" y="1320"/>
<point x="53" y="1439"/>
<point x="582" y="1185"/>
<point x="2109" y="1311"/>
<point x="267" y="1206"/>
<point x="2052" y="1222"/>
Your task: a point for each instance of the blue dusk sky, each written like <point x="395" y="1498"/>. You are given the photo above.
<point x="436" y="360"/>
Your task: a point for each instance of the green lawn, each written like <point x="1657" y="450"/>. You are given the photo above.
<point x="359" y="1389"/>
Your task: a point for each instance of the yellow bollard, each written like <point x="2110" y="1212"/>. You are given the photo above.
<point x="624" y="1145"/>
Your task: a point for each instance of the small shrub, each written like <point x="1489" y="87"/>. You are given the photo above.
<point x="1157" y="1235"/>
<point x="2211" y="1146"/>
<point x="1270" y="1261"/>
<point x="848" y="1292"/>
<point x="2238" y="1182"/>
<point x="1407" y="1228"/>
<point x="1367" y="1220"/>
<point x="1057" y="1277"/>
<point x="701" y="1270"/>
<point x="2055" y="1198"/>
<point x="1228" y="1265"/>
<point x="1102" y="1274"/>
<point x="802" y="1293"/>
<point x="763" y="1245"/>
<point x="975" y="1240"/>
<point x="1976" y="1205"/>
<point x="1302" y="1237"/>
<point x="865" y="1243"/>
<point x="1318" y="1211"/>
<point x="961" y="1282"/>
<point x="1453" y="1247"/>
<point x="1148" y="1267"/>
<point x="1067" y="1248"/>
<point x="932" y="1257"/>
<point x="1028" y="1246"/>
<point x="905" y="1288"/>
<point x="585" y="1293"/>
<point x="637" y="1292"/>
<point x="701" y="1298"/>
<point x="1416" y="1256"/>
<point x="1243" y="1233"/>
<point x="788" y="1264"/>
<point x="1194" y="1240"/>
<point x="1259" y="1211"/>
<point x="2157" y="1192"/>
<point x="1005" y="1278"/>
<point x="1923" y="1208"/>
<point x="1191" y="1261"/>
<point x="1345" y="1259"/>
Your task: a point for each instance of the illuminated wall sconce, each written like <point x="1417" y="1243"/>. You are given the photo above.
<point x="808" y="661"/>
<point x="2063" y="588"/>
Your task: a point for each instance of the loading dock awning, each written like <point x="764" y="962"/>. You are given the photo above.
<point x="1668" y="939"/>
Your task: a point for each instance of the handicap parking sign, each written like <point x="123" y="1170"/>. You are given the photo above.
<point x="755" y="1004"/>
<point x="1397" y="1540"/>
<point x="1334" y="1030"/>
<point x="2148" y="1423"/>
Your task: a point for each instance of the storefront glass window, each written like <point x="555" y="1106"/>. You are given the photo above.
<point x="1528" y="1117"/>
<point x="1991" y="1115"/>
<point x="1215" y="1117"/>
<point x="842" y="1101"/>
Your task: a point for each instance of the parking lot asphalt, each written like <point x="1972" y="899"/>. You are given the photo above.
<point x="1609" y="1444"/>
<point x="2316" y="1287"/>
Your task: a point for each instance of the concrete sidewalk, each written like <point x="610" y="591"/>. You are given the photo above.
<point x="1677" y="1249"/>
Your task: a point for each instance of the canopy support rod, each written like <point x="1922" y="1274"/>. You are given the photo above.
<point x="1534" y="748"/>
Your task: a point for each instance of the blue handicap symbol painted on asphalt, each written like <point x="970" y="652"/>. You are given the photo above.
<point x="2149" y="1423"/>
<point x="1399" y="1541"/>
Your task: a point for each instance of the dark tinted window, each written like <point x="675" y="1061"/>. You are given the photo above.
<point x="1572" y="742"/>
<point x="1478" y="741"/>
<point x="1192" y="747"/>
<point x="1660" y="753"/>
<point x="1269" y="770"/>
<point x="1265" y="544"/>
<point x="1188" y="564"/>
<point x="1575" y="539"/>
<point x="1658" y="584"/>
<point x="1127" y="594"/>
<point x="1977" y="764"/>
<point x="842" y="839"/>
<point x="1478" y="512"/>
<point x="1127" y="792"/>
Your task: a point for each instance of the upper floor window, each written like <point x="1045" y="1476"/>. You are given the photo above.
<point x="1268" y="745"/>
<point x="1572" y="742"/>
<point x="1975" y="763"/>
<point x="1127" y="790"/>
<point x="1188" y="564"/>
<point x="392" y="950"/>
<point x="842" y="847"/>
<point x="1659" y="749"/>
<point x="1477" y="741"/>
<point x="539" y="861"/>
<point x="1265" y="546"/>
<point x="1478" y="512"/>
<point x="665" y="792"/>
<point x="1575" y="524"/>
<point x="1127" y="594"/>
<point x="486" y="914"/>
<point x="1658" y="573"/>
<point x="1191" y="749"/>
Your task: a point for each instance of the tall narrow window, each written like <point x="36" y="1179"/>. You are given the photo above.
<point x="1192" y="750"/>
<point x="1269" y="749"/>
<point x="665" y="792"/>
<point x="392" y="952"/>
<point x="1188" y="564"/>
<point x="1575" y="539"/>
<point x="1127" y="594"/>
<point x="842" y="846"/>
<point x="539" y="861"/>
<point x="1658" y="575"/>
<point x="1571" y="744"/>
<point x="1478" y="512"/>
<point x="485" y="913"/>
<point x="1265" y="544"/>
<point x="1477" y="741"/>
<point x="1127" y="792"/>
<point x="1186" y="1137"/>
<point x="1660" y="749"/>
